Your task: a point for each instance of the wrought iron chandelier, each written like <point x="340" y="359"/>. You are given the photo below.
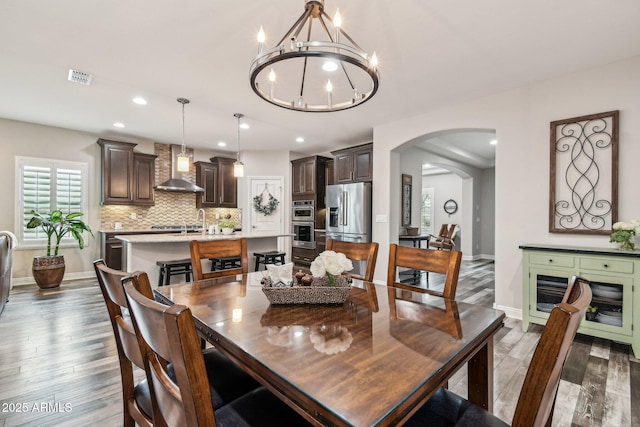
<point x="315" y="68"/>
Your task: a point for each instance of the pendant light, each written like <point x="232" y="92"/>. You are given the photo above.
<point x="183" y="158"/>
<point x="238" y="166"/>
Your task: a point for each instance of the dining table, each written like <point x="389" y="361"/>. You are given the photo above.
<point x="372" y="361"/>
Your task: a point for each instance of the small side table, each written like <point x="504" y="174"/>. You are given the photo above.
<point x="416" y="240"/>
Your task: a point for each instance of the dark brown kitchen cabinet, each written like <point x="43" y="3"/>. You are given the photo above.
<point x="112" y="251"/>
<point x="127" y="177"/>
<point x="308" y="176"/>
<point x="304" y="176"/>
<point x="143" y="179"/>
<point x="220" y="186"/>
<point x="207" y="178"/>
<point x="353" y="164"/>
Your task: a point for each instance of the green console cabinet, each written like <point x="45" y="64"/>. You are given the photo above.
<point x="613" y="275"/>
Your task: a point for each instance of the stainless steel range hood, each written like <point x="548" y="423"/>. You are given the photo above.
<point x="175" y="183"/>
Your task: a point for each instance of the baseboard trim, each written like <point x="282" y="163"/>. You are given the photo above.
<point x="514" y="313"/>
<point x="68" y="277"/>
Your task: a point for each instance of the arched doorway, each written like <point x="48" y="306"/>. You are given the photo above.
<point x="458" y="165"/>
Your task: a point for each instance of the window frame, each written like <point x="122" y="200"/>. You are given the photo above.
<point x="54" y="165"/>
<point x="430" y="191"/>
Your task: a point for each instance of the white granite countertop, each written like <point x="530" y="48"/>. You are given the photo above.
<point x="178" y="237"/>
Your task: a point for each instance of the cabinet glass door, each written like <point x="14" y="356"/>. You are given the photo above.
<point x="547" y="289"/>
<point x="610" y="305"/>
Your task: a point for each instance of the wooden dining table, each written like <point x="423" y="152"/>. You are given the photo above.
<point x="373" y="360"/>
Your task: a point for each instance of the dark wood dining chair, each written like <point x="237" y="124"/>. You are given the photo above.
<point x="168" y="337"/>
<point x="208" y="249"/>
<point x="357" y="251"/>
<point x="444" y="239"/>
<point x="135" y="397"/>
<point x="443" y="262"/>
<point x="538" y="394"/>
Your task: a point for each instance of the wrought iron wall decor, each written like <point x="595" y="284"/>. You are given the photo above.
<point x="406" y="200"/>
<point x="584" y="174"/>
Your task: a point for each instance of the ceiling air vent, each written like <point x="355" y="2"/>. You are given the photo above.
<point x="79" y="77"/>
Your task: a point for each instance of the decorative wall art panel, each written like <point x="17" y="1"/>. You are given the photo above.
<point x="584" y="174"/>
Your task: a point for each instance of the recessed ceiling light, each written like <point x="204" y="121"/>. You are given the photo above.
<point x="493" y="142"/>
<point x="330" y="66"/>
<point x="139" y="100"/>
<point x="118" y="125"/>
<point x="244" y="126"/>
<point x="299" y="139"/>
<point x="222" y="144"/>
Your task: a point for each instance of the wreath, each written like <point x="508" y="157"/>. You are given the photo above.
<point x="271" y="205"/>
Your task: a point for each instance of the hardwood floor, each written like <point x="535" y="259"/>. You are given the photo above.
<point x="58" y="362"/>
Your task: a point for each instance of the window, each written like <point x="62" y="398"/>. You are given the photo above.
<point x="45" y="185"/>
<point x="426" y="211"/>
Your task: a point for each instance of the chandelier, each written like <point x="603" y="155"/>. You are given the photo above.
<point x="315" y="67"/>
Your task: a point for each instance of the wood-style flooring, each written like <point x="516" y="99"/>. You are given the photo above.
<point x="58" y="362"/>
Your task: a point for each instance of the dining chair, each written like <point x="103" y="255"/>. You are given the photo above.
<point x="136" y="398"/>
<point x="443" y="262"/>
<point x="357" y="251"/>
<point x="182" y="396"/>
<point x="538" y="394"/>
<point x="444" y="239"/>
<point x="208" y="249"/>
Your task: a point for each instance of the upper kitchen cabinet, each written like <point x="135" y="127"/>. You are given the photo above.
<point x="144" y="174"/>
<point x="127" y="177"/>
<point x="220" y="186"/>
<point x="354" y="164"/>
<point x="308" y="176"/>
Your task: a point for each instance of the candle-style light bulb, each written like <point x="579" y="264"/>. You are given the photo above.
<point x="337" y="23"/>
<point x="272" y="79"/>
<point x="329" y="93"/>
<point x="373" y="62"/>
<point x="261" y="38"/>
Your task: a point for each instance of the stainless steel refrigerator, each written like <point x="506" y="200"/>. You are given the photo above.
<point x="349" y="215"/>
<point x="349" y="212"/>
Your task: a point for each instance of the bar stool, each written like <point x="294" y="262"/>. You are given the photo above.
<point x="224" y="263"/>
<point x="271" y="257"/>
<point x="172" y="268"/>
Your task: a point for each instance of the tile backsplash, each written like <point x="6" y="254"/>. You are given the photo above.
<point x="171" y="208"/>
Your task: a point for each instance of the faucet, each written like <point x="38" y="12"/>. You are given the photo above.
<point x="184" y="224"/>
<point x="204" y="222"/>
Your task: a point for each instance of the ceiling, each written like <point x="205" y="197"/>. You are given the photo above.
<point x="431" y="53"/>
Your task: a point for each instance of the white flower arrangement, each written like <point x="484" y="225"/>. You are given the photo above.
<point x="623" y="232"/>
<point x="331" y="264"/>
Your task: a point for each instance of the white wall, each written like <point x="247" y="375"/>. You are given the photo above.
<point x="487" y="214"/>
<point x="521" y="119"/>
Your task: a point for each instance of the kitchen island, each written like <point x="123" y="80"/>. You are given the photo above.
<point x="142" y="251"/>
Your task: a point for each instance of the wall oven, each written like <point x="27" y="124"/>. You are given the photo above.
<point x="303" y="210"/>
<point x="303" y="234"/>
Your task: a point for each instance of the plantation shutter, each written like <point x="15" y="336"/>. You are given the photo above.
<point x="37" y="196"/>
<point x="47" y="185"/>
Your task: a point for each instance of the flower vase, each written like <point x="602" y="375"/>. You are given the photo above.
<point x="627" y="245"/>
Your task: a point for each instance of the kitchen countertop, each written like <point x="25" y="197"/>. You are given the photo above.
<point x="179" y="237"/>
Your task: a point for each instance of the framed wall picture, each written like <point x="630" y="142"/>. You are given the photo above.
<point x="406" y="200"/>
<point x="583" y="194"/>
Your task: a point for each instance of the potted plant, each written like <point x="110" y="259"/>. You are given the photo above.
<point x="48" y="270"/>
<point x="227" y="225"/>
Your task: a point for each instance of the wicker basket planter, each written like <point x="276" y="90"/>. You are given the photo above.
<point x="319" y="292"/>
